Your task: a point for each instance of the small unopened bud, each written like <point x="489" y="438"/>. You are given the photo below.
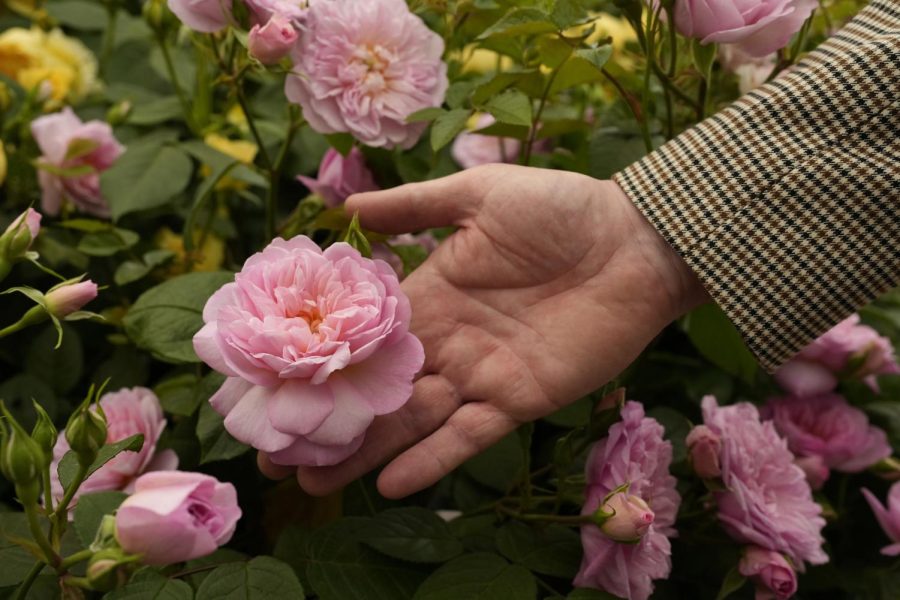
<point x="109" y="568"/>
<point x="157" y="15"/>
<point x="17" y="239"/>
<point x="21" y="460"/>
<point x="703" y="451"/>
<point x="44" y="433"/>
<point x="118" y="113"/>
<point x="68" y="297"/>
<point x="106" y="534"/>
<point x="86" y="433"/>
<point x="273" y="41"/>
<point x="624" y="518"/>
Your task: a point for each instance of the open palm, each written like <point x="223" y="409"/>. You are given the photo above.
<point x="552" y="285"/>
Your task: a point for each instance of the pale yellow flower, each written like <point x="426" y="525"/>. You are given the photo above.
<point x="208" y="257"/>
<point x="240" y="150"/>
<point x="481" y="60"/>
<point x="62" y="67"/>
<point x="236" y="117"/>
<point x="618" y="28"/>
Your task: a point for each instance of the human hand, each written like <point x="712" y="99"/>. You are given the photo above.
<point x="553" y="284"/>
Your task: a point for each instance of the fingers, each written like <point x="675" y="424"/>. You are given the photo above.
<point x="434" y="400"/>
<point x="472" y="429"/>
<point x="417" y="206"/>
<point x="270" y="469"/>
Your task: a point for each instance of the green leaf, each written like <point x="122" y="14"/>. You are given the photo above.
<point x="165" y="318"/>
<point x="411" y="533"/>
<point x="512" y="107"/>
<point x="156" y="111"/>
<point x="611" y="150"/>
<point x="90" y="511"/>
<point x="567" y="13"/>
<point x="426" y="114"/>
<point x="262" y="578"/>
<point x="215" y="442"/>
<point x="479" y="576"/>
<point x="503" y="80"/>
<point x="108" y="242"/>
<point x="60" y="368"/>
<point x="733" y="582"/>
<point x="448" y="126"/>
<point x="80" y="147"/>
<point x="342" y="142"/>
<point x="717" y="339"/>
<point x="15" y="560"/>
<point x="217" y="160"/>
<point x="585" y="66"/>
<point x="148" y="175"/>
<point x="340" y="568"/>
<point x="519" y="22"/>
<point x="68" y="466"/>
<point x="150" y="585"/>
<point x="498" y="466"/>
<point x="704" y="56"/>
<point x="551" y="550"/>
<point x="677" y="429"/>
<point x="134" y="270"/>
<point x="78" y="14"/>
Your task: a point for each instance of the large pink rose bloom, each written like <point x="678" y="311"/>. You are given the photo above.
<point x="758" y="27"/>
<point x="363" y="67"/>
<point x="828" y="427"/>
<point x="472" y="149"/>
<point x="83" y="149"/>
<point x="128" y="411"/>
<point x="635" y="452"/>
<point x="767" y="501"/>
<point x="888" y="517"/>
<point x="340" y="177"/>
<point x="847" y="350"/>
<point x="177" y="516"/>
<point x="315" y="345"/>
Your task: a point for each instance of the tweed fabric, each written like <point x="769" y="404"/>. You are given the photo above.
<point x="787" y="203"/>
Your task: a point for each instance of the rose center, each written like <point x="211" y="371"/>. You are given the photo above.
<point x="313" y="318"/>
<point x="375" y="60"/>
<point x="201" y="513"/>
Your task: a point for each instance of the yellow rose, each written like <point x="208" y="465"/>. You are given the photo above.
<point x="481" y="60"/>
<point x="208" y="257"/>
<point x="240" y="150"/>
<point x="35" y="58"/>
<point x="2" y="164"/>
<point x="619" y="29"/>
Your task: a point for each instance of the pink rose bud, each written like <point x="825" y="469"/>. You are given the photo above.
<point x="703" y="450"/>
<point x="815" y="469"/>
<point x="272" y="42"/>
<point x="888" y="517"/>
<point x="340" y="177"/>
<point x="770" y="571"/>
<point x="21" y="233"/>
<point x="205" y="16"/>
<point x="625" y="518"/>
<point x="67" y="298"/>
<point x="174" y="516"/>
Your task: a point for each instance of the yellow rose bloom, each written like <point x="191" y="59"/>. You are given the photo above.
<point x="481" y="60"/>
<point x="35" y="58"/>
<point x="240" y="150"/>
<point x="209" y="257"/>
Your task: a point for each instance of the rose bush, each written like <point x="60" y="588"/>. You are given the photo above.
<point x="186" y="298"/>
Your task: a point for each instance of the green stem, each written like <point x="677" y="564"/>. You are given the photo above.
<point x="34" y="526"/>
<point x="635" y="107"/>
<point x="702" y="97"/>
<point x="574" y="520"/>
<point x="22" y="590"/>
<point x="275" y="175"/>
<point x="34" y="315"/>
<point x="245" y="106"/>
<point x="109" y="36"/>
<point x="74" y="559"/>
<point x="59" y="517"/>
<point x="173" y="77"/>
<point x="532" y="136"/>
<point x="48" y="495"/>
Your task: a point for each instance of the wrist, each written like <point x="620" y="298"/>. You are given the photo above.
<point x="666" y="272"/>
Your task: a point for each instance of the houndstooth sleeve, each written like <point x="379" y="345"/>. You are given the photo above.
<point x="787" y="203"/>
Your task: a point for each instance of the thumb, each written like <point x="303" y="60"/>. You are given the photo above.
<point x="416" y="206"/>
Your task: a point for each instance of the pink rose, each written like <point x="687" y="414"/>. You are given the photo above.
<point x="757" y="27"/>
<point x="315" y="345"/>
<point x="66" y="298"/>
<point x="473" y="149"/>
<point x="766" y="501"/>
<point x="261" y="11"/>
<point x="848" y="350"/>
<point x="128" y="411"/>
<point x="828" y="427"/>
<point x="363" y="67"/>
<point x="774" y="577"/>
<point x="73" y="156"/>
<point x="205" y="16"/>
<point x="751" y="71"/>
<point x="815" y="469"/>
<point x="175" y="516"/>
<point x="703" y="450"/>
<point x="272" y="42"/>
<point x="629" y="518"/>
<point x="634" y="452"/>
<point x="888" y="518"/>
<point x="340" y="177"/>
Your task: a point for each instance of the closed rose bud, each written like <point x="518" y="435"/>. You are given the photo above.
<point x="770" y="571"/>
<point x="86" y="433"/>
<point x="624" y="518"/>
<point x="21" y="460"/>
<point x="66" y="298"/>
<point x="44" y="433"/>
<point x="703" y="450"/>
<point x="273" y="41"/>
<point x="110" y="568"/>
<point x="17" y="238"/>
